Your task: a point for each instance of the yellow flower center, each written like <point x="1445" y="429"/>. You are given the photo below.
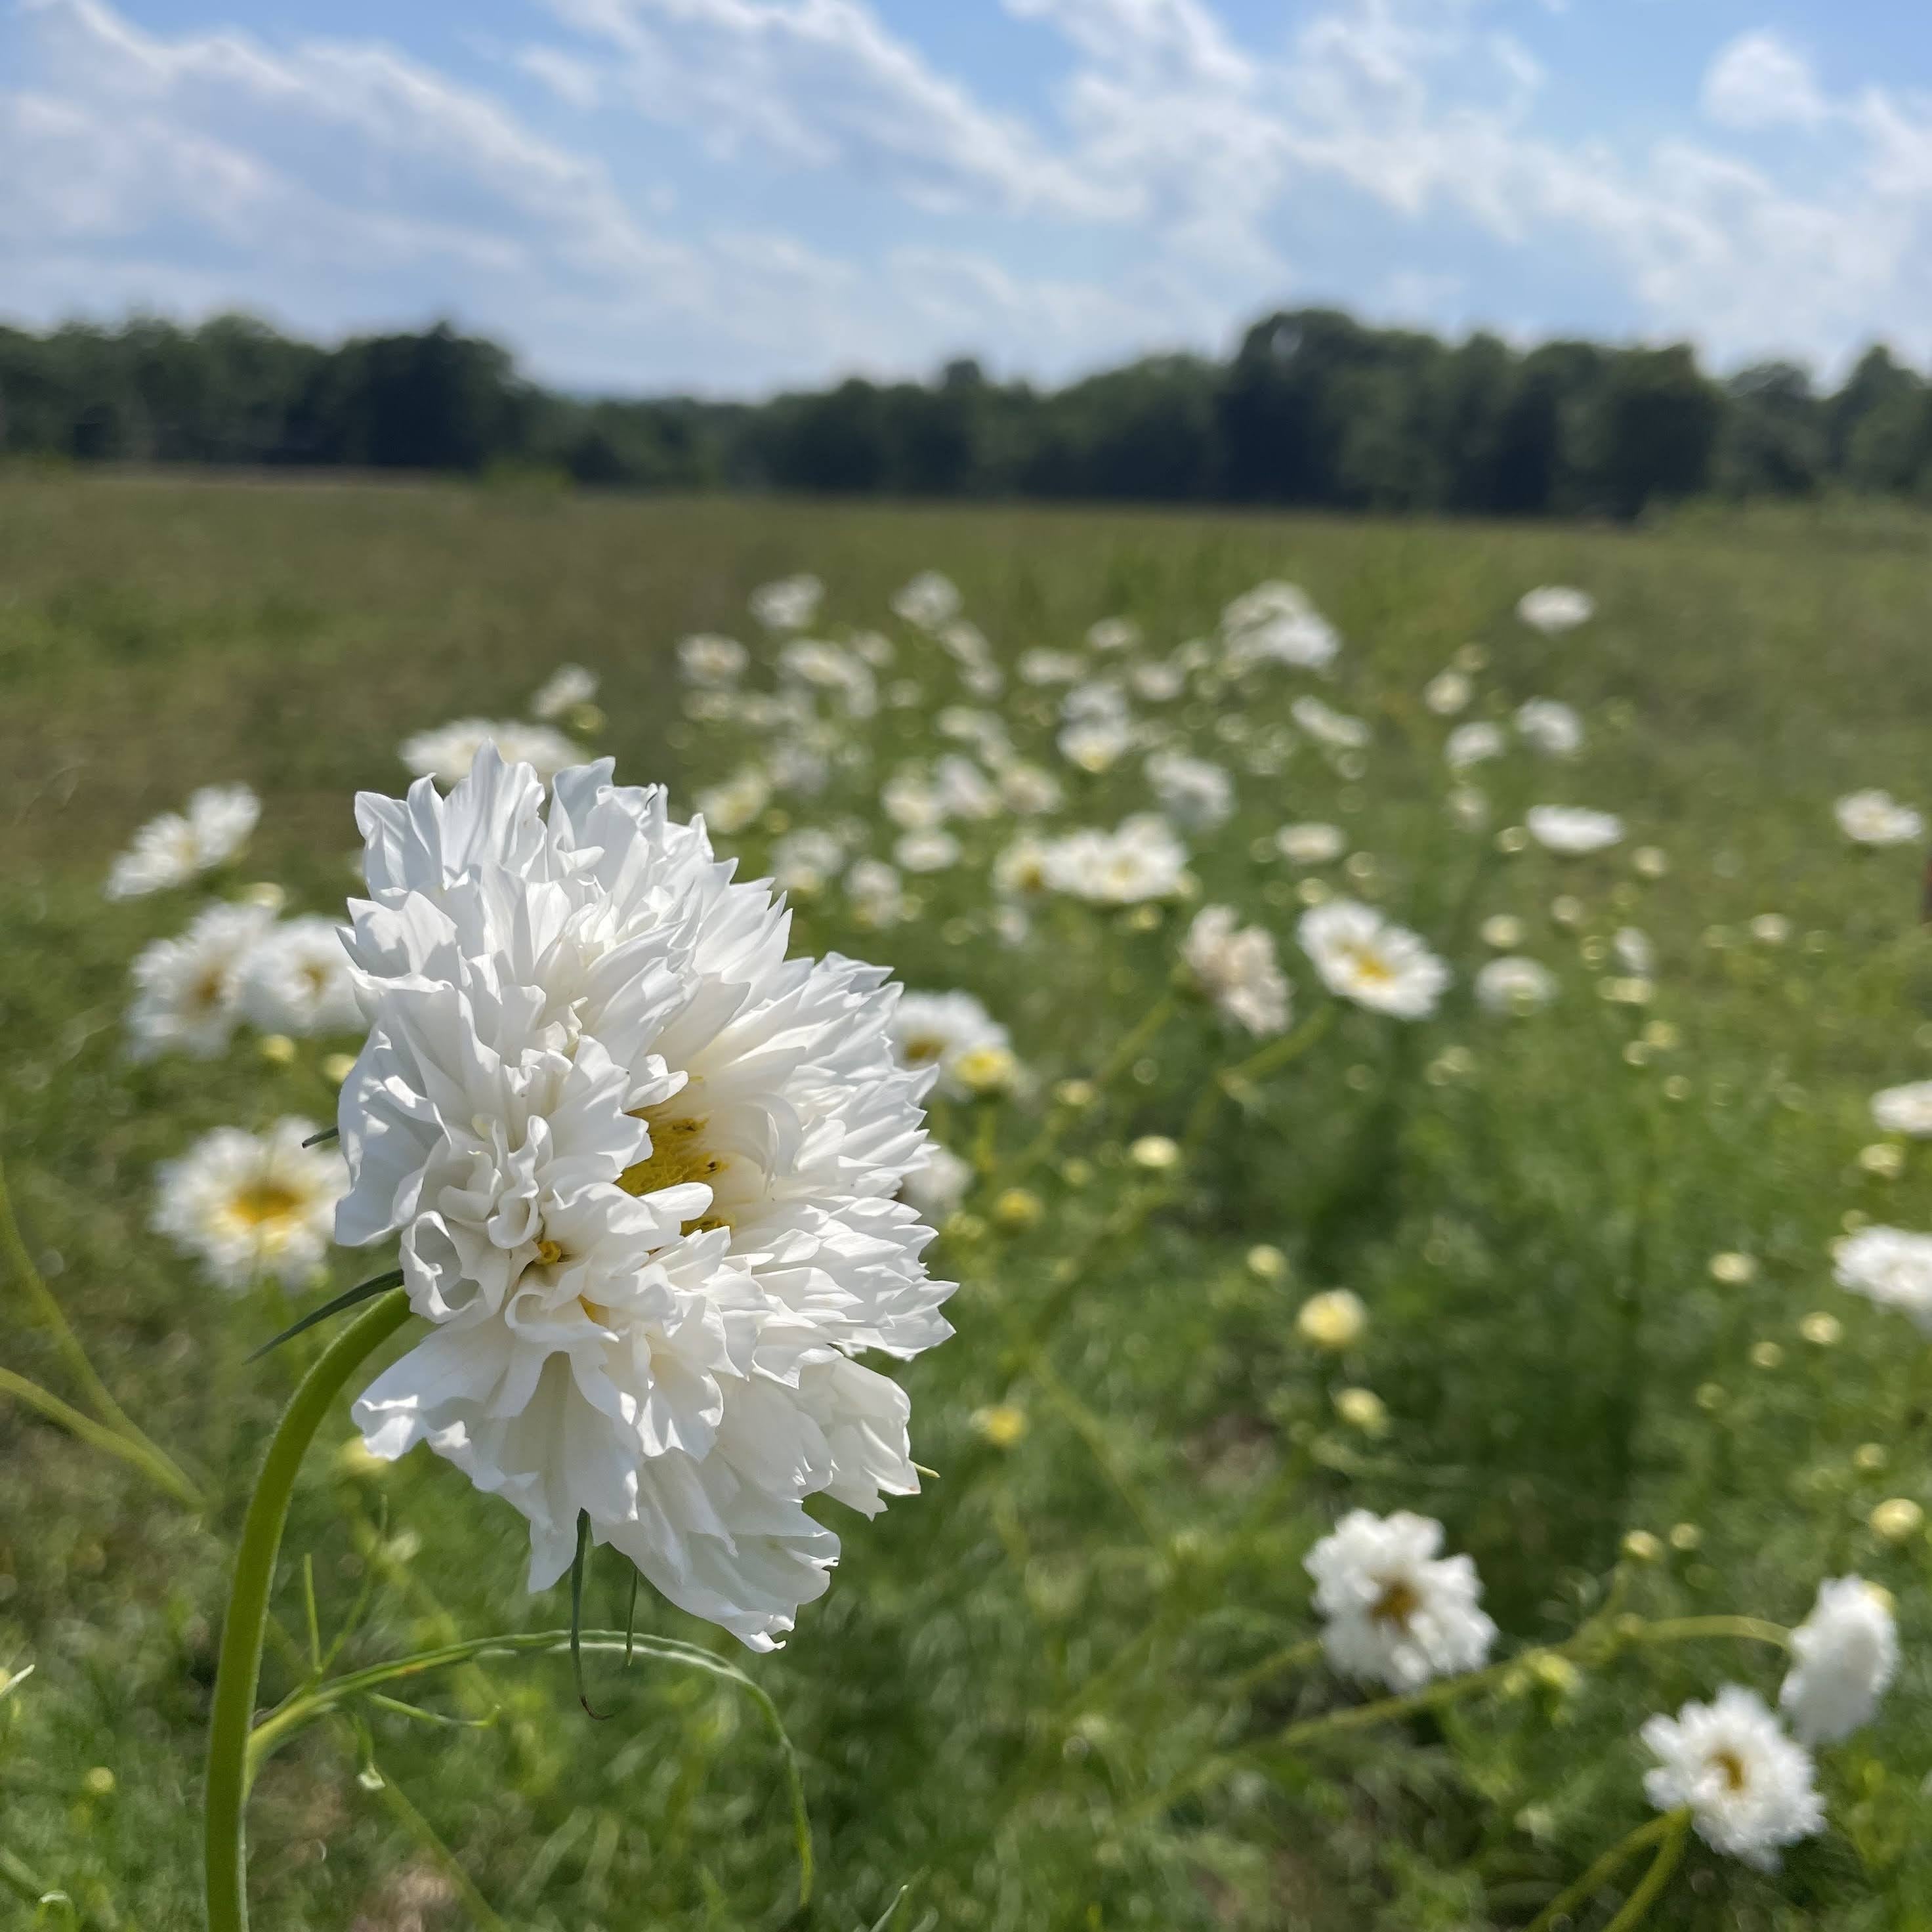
<point x="1397" y="1603"/>
<point x="263" y="1202"/>
<point x="678" y="1155"/>
<point x="921" y="1048"/>
<point x="1370" y="965"/>
<point x="1732" y="1766"/>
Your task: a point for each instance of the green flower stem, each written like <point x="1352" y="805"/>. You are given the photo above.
<point x="1278" y="1053"/>
<point x="333" y="1694"/>
<point x="1748" y="1629"/>
<point x="1294" y="1656"/>
<point x="1666" y="1862"/>
<point x="135" y="1448"/>
<point x="1667" y="1831"/>
<point x="239" y="1674"/>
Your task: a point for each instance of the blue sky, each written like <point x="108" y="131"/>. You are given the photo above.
<point x="728" y="195"/>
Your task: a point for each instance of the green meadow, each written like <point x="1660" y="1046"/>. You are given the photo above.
<point x="1073" y="1684"/>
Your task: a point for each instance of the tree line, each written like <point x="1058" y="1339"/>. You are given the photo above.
<point x="1312" y="409"/>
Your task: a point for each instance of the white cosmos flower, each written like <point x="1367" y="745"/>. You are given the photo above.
<point x="1554" y="608"/>
<point x="817" y="665"/>
<point x="789" y="604"/>
<point x="929" y="600"/>
<point x="878" y="896"/>
<point x="188" y="991"/>
<point x="296" y="979"/>
<point x="1195" y="793"/>
<point x="1365" y="957"/>
<point x="1514" y="985"/>
<point x="447" y="753"/>
<point x="1027" y="790"/>
<point x="804" y="862"/>
<point x="1140" y="860"/>
<point x="1550" y="726"/>
<point x="1095" y="743"/>
<point x="1905" y="1110"/>
<point x="175" y="847"/>
<point x="567" y="687"/>
<point x="644" y="1169"/>
<point x="964" y="790"/>
<point x="1277" y="623"/>
<point x="1395" y="1611"/>
<point x="1471" y="743"/>
<point x="926" y="851"/>
<point x="1748" y="1786"/>
<point x="250" y="1206"/>
<point x="708" y="659"/>
<point x="730" y="807"/>
<point x="1572" y="830"/>
<point x="1874" y="817"/>
<point x="1845" y="1655"/>
<point x="1891" y="1266"/>
<point x="943" y="1030"/>
<point x="1329" y="727"/>
<point x="1311" y="845"/>
<point x="912" y="801"/>
<point x="938" y="1184"/>
<point x="1238" y="970"/>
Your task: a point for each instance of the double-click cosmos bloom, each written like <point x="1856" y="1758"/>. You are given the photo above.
<point x="1748" y="1786"/>
<point x="1394" y="1610"/>
<point x="644" y="1168"/>
<point x="173" y="848"/>
<point x="1363" y="957"/>
<point x="1890" y="1266"/>
<point x="1844" y="1656"/>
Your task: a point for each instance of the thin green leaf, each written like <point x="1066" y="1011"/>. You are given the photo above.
<point x="892" y="1912"/>
<point x="422" y="1716"/>
<point x="579" y="1564"/>
<point x="327" y="1134"/>
<point x="630" y="1620"/>
<point x="362" y="1291"/>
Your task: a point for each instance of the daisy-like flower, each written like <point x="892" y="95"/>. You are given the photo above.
<point x="188" y="991"/>
<point x="566" y="689"/>
<point x="729" y="807"/>
<point x="1555" y="608"/>
<point x="1514" y="985"/>
<point x="1471" y="743"/>
<point x="1311" y="845"/>
<point x="1635" y="952"/>
<point x="1845" y="1655"/>
<point x="1044" y="667"/>
<point x="1236" y="969"/>
<point x="446" y="754"/>
<point x="964" y="790"/>
<point x="1573" y="829"/>
<point x="1195" y="793"/>
<point x="1874" y="817"/>
<point x="250" y="1206"/>
<point x="1365" y="957"/>
<point x="1890" y="1266"/>
<point x="789" y="604"/>
<point x="926" y="851"/>
<point x="1329" y="727"/>
<point x="1097" y="743"/>
<point x="938" y="1184"/>
<point x="818" y="666"/>
<point x="1550" y="726"/>
<point x="1447" y="693"/>
<point x="1026" y="790"/>
<point x="1113" y="634"/>
<point x="1140" y="860"/>
<point x="877" y="893"/>
<point x="1277" y="623"/>
<point x="712" y="660"/>
<point x="1158" y="683"/>
<point x="804" y="862"/>
<point x="644" y="1168"/>
<point x="1395" y="1612"/>
<point x="1747" y="1785"/>
<point x="1905" y="1110"/>
<point x="178" y="845"/>
<point x="296" y="979"/>
<point x="929" y="600"/>
<point x="942" y="1030"/>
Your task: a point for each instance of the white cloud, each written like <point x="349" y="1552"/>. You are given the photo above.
<point x="1757" y="81"/>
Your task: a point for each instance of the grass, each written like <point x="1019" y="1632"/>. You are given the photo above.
<point x="1041" y="1694"/>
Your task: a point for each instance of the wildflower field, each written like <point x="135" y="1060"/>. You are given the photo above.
<point x="1420" y="1027"/>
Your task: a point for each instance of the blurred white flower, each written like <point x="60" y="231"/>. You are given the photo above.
<point x="1021" y="868"/>
<point x="1365" y="957"/>
<point x="1890" y="1266"/>
<point x="188" y="991"/>
<point x="933" y="851"/>
<point x="1277" y="623"/>
<point x="1573" y="828"/>
<point x="1142" y="859"/>
<point x="911" y="800"/>
<point x="1196" y="794"/>
<point x="1045" y="667"/>
<point x="710" y="660"/>
<point x="1514" y="985"/>
<point x="1027" y="790"/>
<point x="1747" y="1785"/>
<point x="1313" y="843"/>
<point x="986" y="731"/>
<point x="1328" y="726"/>
<point x="1502" y="930"/>
<point x="1336" y="1319"/>
<point x="1845" y="1655"/>
<point x="788" y="605"/>
<point x="877" y="897"/>
<point x="1113" y="634"/>
<point x="804" y="862"/>
<point x="1905" y="1110"/>
<point x="1157" y="683"/>
<point x="1237" y="970"/>
<point x="644" y="1168"/>
<point x="1554" y="608"/>
<point x="1635" y="953"/>
<point x="1395" y="1611"/>
<point x="447" y="753"/>
<point x="1875" y="817"/>
<point x="566" y="688"/>
<point x="936" y="1187"/>
<point x="941" y="1029"/>
<point x="250" y="1206"/>
<point x="296" y="979"/>
<point x="819" y="666"/>
<point x="729" y="807"/>
<point x="929" y="601"/>
<point x="1471" y="743"/>
<point x="1095" y="744"/>
<point x="1447" y="693"/>
<point x="964" y="790"/>
<point x="1550" y="726"/>
<point x="175" y="847"/>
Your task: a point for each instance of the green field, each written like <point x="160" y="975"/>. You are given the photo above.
<point x="1051" y="1690"/>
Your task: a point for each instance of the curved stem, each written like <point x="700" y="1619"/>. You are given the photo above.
<point x="239" y="1673"/>
<point x="1278" y="1053"/>
<point x="1749" y="1630"/>
<point x="1600" y="1873"/>
<point x="1668" y="1855"/>
<point x="134" y="1448"/>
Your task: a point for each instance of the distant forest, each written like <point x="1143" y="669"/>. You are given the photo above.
<point x="1313" y="408"/>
